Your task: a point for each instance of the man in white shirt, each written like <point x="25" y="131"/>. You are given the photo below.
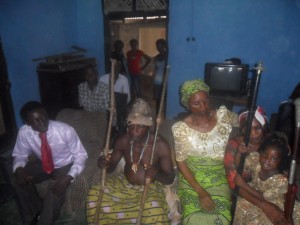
<point x="62" y="161"/>
<point x="121" y="81"/>
<point x="122" y="95"/>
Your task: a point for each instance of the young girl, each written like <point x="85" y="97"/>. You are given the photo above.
<point x="268" y="186"/>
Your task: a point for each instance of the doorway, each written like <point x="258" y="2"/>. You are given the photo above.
<point x="145" y="21"/>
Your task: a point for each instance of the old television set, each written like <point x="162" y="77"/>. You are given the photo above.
<point x="226" y="78"/>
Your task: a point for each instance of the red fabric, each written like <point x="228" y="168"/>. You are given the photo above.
<point x="47" y="161"/>
<point x="134" y="60"/>
<point x="230" y="178"/>
<point x="229" y="161"/>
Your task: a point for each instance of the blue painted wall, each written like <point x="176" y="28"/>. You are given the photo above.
<point x="250" y="29"/>
<point x="32" y="29"/>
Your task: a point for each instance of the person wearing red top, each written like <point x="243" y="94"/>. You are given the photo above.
<point x="136" y="66"/>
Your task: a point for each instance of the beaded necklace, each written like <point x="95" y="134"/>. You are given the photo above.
<point x="134" y="166"/>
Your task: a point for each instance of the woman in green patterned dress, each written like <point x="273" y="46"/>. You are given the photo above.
<point x="200" y="142"/>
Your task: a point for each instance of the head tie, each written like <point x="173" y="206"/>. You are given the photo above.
<point x="191" y="87"/>
<point x="259" y="114"/>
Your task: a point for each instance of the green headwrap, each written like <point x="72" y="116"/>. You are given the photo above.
<point x="190" y="87"/>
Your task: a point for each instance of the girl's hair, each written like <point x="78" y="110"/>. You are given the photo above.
<point x="279" y="144"/>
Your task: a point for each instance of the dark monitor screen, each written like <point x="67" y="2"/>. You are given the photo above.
<point x="226" y="79"/>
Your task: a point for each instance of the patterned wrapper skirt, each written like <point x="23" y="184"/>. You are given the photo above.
<point x="210" y="174"/>
<point x="121" y="202"/>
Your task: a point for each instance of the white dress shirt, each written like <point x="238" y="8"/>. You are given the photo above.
<point x="121" y="84"/>
<point x="64" y="143"/>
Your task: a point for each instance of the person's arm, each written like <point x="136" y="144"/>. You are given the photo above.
<point x="204" y="197"/>
<point x="79" y="154"/>
<point x="229" y="159"/>
<point x="155" y="66"/>
<point x="20" y="155"/>
<point x="166" y="173"/>
<point x="106" y="96"/>
<point x="148" y="60"/>
<point x="273" y="212"/>
<point x="80" y="101"/>
<point x="244" y="185"/>
<point x="233" y="118"/>
<point x="112" y="160"/>
<point x="126" y="89"/>
<point x="21" y="151"/>
<point x="241" y="149"/>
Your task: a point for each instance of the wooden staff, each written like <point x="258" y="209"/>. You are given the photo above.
<point x="107" y="141"/>
<point x="292" y="187"/>
<point x="158" y="122"/>
<point x="240" y="168"/>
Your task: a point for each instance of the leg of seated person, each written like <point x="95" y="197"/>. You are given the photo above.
<point x="121" y="203"/>
<point x="31" y="203"/>
<point x="53" y="203"/>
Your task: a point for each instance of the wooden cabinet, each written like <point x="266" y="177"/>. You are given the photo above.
<point x="58" y="84"/>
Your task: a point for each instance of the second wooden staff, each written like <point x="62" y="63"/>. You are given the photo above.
<point x="107" y="140"/>
<point x="158" y="122"/>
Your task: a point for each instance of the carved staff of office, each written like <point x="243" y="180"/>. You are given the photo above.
<point x="254" y="94"/>
<point x="292" y="187"/>
<point x="158" y="122"/>
<point x="107" y="140"/>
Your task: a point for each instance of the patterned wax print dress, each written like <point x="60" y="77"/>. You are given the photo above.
<point x="203" y="153"/>
<point x="273" y="189"/>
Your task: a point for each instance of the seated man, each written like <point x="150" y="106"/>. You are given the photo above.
<point x="122" y="195"/>
<point x="122" y="95"/>
<point x="93" y="94"/>
<point x="60" y="158"/>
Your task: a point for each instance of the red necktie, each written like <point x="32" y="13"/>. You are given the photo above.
<point x="47" y="160"/>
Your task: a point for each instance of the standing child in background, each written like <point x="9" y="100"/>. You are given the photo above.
<point x="160" y="61"/>
<point x="136" y="65"/>
<point x="269" y="184"/>
<point x="119" y="55"/>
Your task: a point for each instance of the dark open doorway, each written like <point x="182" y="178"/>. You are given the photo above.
<point x="145" y="21"/>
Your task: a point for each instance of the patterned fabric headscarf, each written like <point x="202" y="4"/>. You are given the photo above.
<point x="259" y="114"/>
<point x="140" y="114"/>
<point x="191" y="87"/>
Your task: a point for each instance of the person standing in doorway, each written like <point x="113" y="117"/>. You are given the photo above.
<point x="136" y="66"/>
<point x="160" y="61"/>
<point x="119" y="55"/>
